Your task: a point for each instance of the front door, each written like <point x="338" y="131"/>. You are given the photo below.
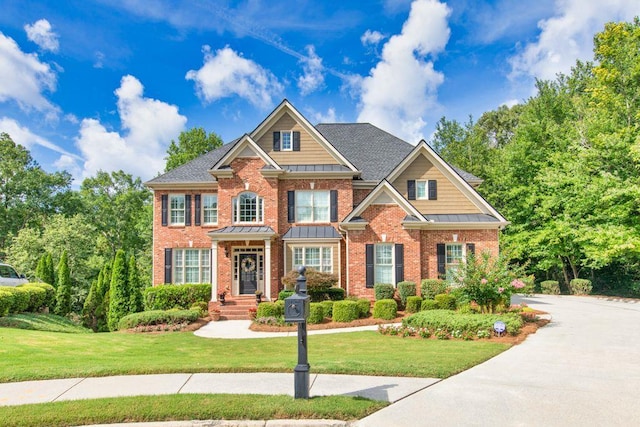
<point x="248" y="273"/>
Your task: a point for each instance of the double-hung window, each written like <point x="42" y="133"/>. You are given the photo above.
<point x="425" y="190"/>
<point x="383" y="263"/>
<point x="286" y="140"/>
<point x="191" y="266"/>
<point x="177" y="209"/>
<point x="312" y="206"/>
<point x="248" y="208"/>
<point x="454" y="257"/>
<point x="317" y="258"/>
<point x="210" y="209"/>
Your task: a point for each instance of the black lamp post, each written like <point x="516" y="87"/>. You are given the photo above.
<point x="296" y="310"/>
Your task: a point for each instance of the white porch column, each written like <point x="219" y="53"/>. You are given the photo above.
<point x="267" y="269"/>
<point x="214" y="270"/>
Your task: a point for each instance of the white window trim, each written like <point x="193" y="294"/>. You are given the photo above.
<point x="174" y="263"/>
<point x="202" y="208"/>
<point x="235" y="209"/>
<point x="304" y="255"/>
<point x="426" y="189"/>
<point x="313" y="203"/>
<point x="282" y="133"/>
<point x="171" y="210"/>
<point x="393" y="262"/>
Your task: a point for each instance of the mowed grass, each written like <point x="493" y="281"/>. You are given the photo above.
<point x="30" y="355"/>
<point x="186" y="407"/>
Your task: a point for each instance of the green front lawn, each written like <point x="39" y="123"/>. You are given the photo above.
<point x="29" y="355"/>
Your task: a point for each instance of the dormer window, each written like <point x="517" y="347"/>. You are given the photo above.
<point x="286" y="140"/>
<point x="248" y="208"/>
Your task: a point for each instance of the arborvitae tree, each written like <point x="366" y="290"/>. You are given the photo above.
<point x="40" y="268"/>
<point x="92" y="304"/>
<point x="118" y="291"/>
<point x="48" y="272"/>
<point x="135" y="288"/>
<point x="104" y="283"/>
<point x="63" y="293"/>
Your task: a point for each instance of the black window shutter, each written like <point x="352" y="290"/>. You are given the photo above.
<point x="411" y="189"/>
<point x="442" y="260"/>
<point x="198" y="209"/>
<point x="187" y="209"/>
<point x="369" y="265"/>
<point x="333" y="197"/>
<point x="296" y="141"/>
<point x="291" y="206"/>
<point x="433" y="189"/>
<point x="276" y="141"/>
<point x="165" y="209"/>
<point x="471" y="249"/>
<point x="399" y="248"/>
<point x="167" y="265"/>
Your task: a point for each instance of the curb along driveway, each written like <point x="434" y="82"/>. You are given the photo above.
<point x="583" y="369"/>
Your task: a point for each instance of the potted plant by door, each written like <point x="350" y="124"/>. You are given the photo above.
<point x="258" y="297"/>
<point x="215" y="314"/>
<point x="221" y="296"/>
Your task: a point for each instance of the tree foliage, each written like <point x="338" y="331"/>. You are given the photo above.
<point x="119" y="293"/>
<point x="63" y="292"/>
<point x="191" y="144"/>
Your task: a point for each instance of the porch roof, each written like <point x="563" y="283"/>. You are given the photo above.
<point x="312" y="232"/>
<point x="242" y="233"/>
<point x="461" y="218"/>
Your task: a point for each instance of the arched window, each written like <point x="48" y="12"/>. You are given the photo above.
<point x="248" y="208"/>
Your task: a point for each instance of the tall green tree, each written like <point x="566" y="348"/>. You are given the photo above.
<point x="191" y="144"/>
<point x="135" y="287"/>
<point x="63" y="292"/>
<point x="44" y="271"/>
<point x="119" y="293"/>
<point x="102" y="298"/>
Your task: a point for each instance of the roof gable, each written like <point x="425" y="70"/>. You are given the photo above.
<point x="243" y="148"/>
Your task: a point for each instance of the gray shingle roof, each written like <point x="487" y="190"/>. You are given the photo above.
<point x="312" y="232"/>
<point x="370" y="149"/>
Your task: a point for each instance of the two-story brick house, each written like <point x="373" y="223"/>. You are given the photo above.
<point x="349" y="199"/>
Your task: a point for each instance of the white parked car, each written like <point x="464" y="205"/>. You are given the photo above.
<point x="10" y="277"/>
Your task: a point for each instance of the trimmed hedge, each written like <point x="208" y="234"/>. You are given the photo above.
<point x="270" y="309"/>
<point x="364" y="306"/>
<point x="324" y="294"/>
<point x="345" y="311"/>
<point x="6" y="301"/>
<point x="315" y="279"/>
<point x="413" y="304"/>
<point x="429" y="304"/>
<point x="383" y="291"/>
<point x="50" y="293"/>
<point x="446" y="301"/>
<point x="158" y="317"/>
<point x="385" y="309"/>
<point x="450" y="321"/>
<point x="406" y="289"/>
<point x="316" y="313"/>
<point x="580" y="286"/>
<point x="551" y="287"/>
<point x="285" y="293"/>
<point x="429" y="288"/>
<point x="21" y="299"/>
<point x="165" y="297"/>
<point x="327" y="308"/>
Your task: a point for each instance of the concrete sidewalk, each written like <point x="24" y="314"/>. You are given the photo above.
<point x="390" y="389"/>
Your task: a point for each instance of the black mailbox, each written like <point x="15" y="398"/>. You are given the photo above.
<point x="296" y="308"/>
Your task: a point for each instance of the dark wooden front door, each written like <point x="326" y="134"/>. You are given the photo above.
<point x="248" y="273"/>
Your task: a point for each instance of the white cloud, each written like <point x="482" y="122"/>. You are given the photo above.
<point x="23" y="136"/>
<point x="148" y="126"/>
<point x="328" y="117"/>
<point x="41" y="34"/>
<point x="371" y="38"/>
<point x="225" y="73"/>
<point x="401" y="88"/>
<point x="23" y="78"/>
<point x="568" y="36"/>
<point x="313" y="78"/>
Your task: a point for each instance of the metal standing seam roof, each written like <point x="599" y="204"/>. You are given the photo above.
<point x="461" y="218"/>
<point x="237" y="229"/>
<point x="312" y="232"/>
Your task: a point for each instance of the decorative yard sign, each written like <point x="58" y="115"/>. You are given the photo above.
<point x="499" y="327"/>
<point x="296" y="310"/>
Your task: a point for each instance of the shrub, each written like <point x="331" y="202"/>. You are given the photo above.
<point x="37" y="297"/>
<point x="158" y="317"/>
<point x="446" y="301"/>
<point x="383" y="291"/>
<point x="385" y="309"/>
<point x="413" y="304"/>
<point x="529" y="285"/>
<point x="429" y="288"/>
<point x="165" y="297"/>
<point x="316" y="313"/>
<point x="50" y="293"/>
<point x="202" y="306"/>
<point x="285" y="293"/>
<point x="406" y="289"/>
<point x="327" y="308"/>
<point x="364" y="305"/>
<point x="6" y="301"/>
<point x="450" y="321"/>
<point x="20" y="301"/>
<point x="580" y="286"/>
<point x="345" y="311"/>
<point x="429" y="304"/>
<point x="324" y="294"/>
<point x="270" y="309"/>
<point x="551" y="287"/>
<point x="315" y="279"/>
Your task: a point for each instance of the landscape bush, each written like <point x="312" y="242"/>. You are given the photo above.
<point x="285" y="293"/>
<point x="446" y="301"/>
<point x="316" y="313"/>
<point x="20" y="299"/>
<point x="324" y="294"/>
<point x="270" y="309"/>
<point x="580" y="286"/>
<point x="37" y="297"/>
<point x="50" y="293"/>
<point x="158" y="317"/>
<point x="429" y="288"/>
<point x="413" y="304"/>
<point x="450" y="321"/>
<point x="327" y="308"/>
<point x="406" y="289"/>
<point x="6" y="300"/>
<point x="386" y="309"/>
<point x="429" y="304"/>
<point x="364" y="306"/>
<point x="551" y="287"/>
<point x="345" y="311"/>
<point x="316" y="280"/>
<point x="202" y="306"/>
<point x="165" y="297"/>
<point x="383" y="291"/>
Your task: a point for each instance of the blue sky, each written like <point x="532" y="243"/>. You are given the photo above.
<point x="90" y="85"/>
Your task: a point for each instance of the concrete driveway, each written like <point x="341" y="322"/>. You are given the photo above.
<point x="583" y="369"/>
